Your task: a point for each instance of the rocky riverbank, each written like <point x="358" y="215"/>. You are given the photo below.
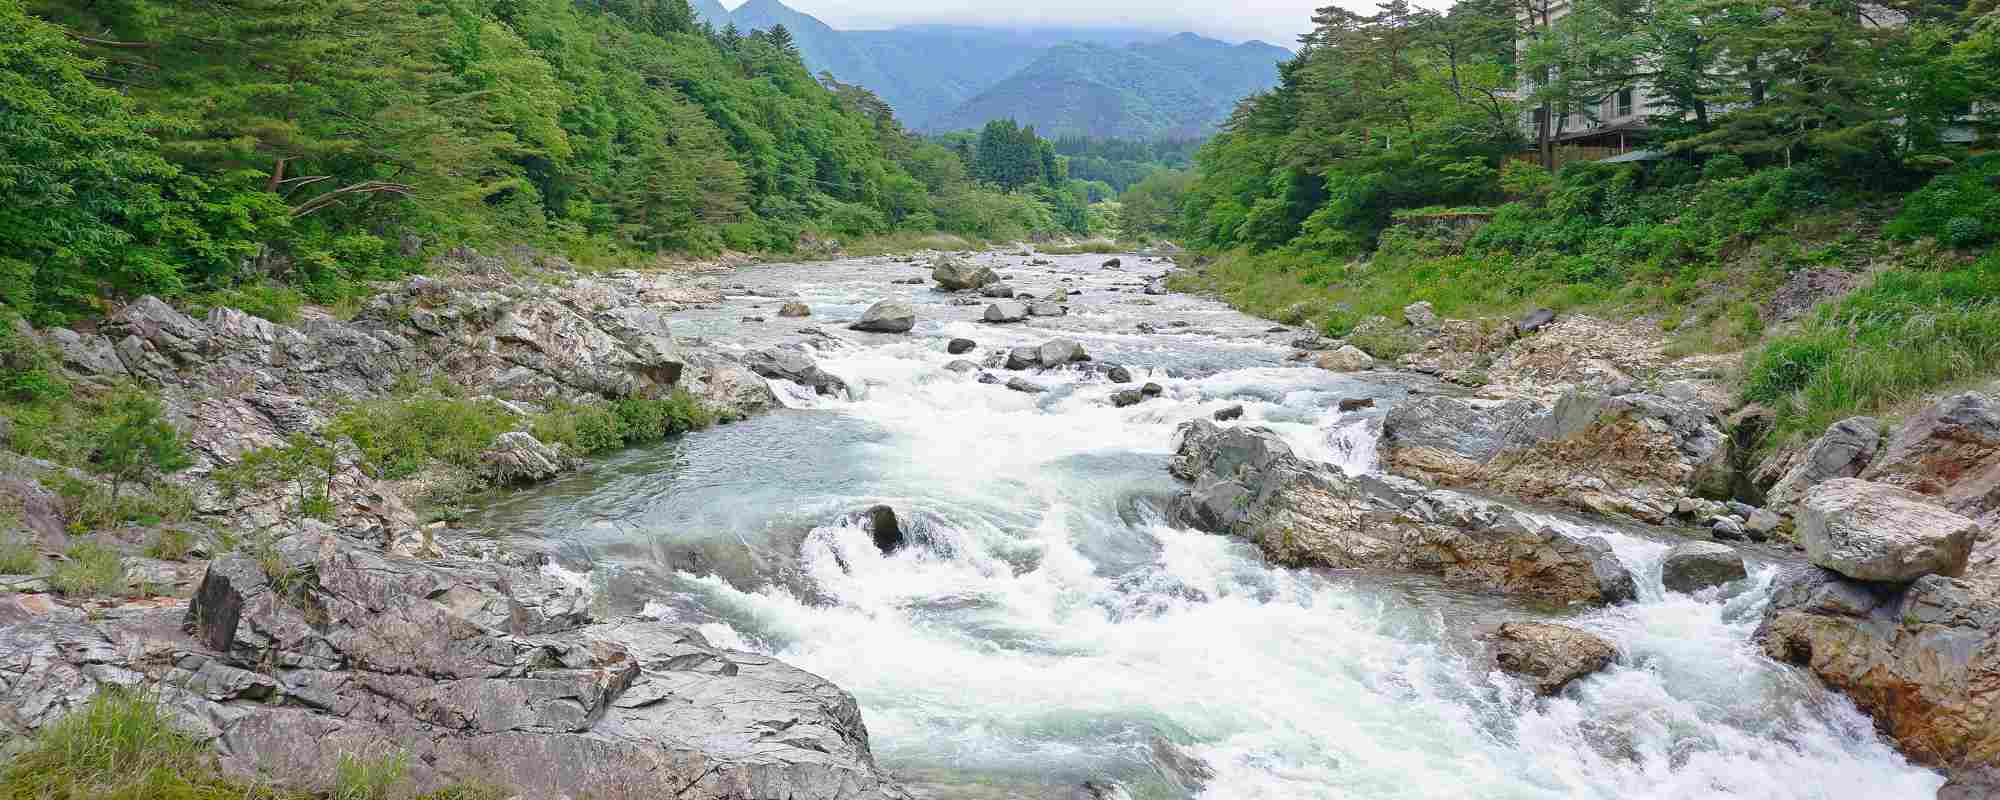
<point x="1898" y="519"/>
<point x="293" y="644"/>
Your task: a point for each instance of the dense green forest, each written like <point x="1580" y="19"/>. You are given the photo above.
<point x="1391" y="165"/>
<point x="180" y="148"/>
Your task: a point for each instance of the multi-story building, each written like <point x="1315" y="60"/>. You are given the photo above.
<point x="1614" y="123"/>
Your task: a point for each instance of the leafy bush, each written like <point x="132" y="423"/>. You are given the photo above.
<point x="170" y="544"/>
<point x="270" y="301"/>
<point x="399" y="437"/>
<point x="1960" y="208"/>
<point x="88" y="569"/>
<point x="587" y="428"/>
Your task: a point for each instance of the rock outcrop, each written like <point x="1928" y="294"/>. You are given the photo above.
<point x="1847" y="448"/>
<point x="474" y="670"/>
<point x="1876" y="532"/>
<point x="1922" y="659"/>
<point x="1634" y="455"/>
<point x="1248" y="483"/>
<point x="1950" y="452"/>
<point x="1549" y="657"/>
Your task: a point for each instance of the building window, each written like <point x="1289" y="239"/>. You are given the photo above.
<point x="1624" y="102"/>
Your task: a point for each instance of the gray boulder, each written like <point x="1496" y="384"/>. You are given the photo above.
<point x="1061" y="352"/>
<point x="888" y="316"/>
<point x="1843" y="451"/>
<point x="1117" y="374"/>
<point x="955" y="274"/>
<point x="959" y="347"/>
<point x="1549" y="657"/>
<point x="792" y="364"/>
<point x="1693" y="566"/>
<point x="1005" y="312"/>
<point x="1229" y="414"/>
<point x="1535" y="321"/>
<point x="1021" y="358"/>
<point x="1346" y="359"/>
<point x="1128" y="397"/>
<point x="997" y="290"/>
<point x="1421" y="315"/>
<point x="1876" y="532"/>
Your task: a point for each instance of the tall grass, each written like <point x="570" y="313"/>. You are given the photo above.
<point x="1910" y="332"/>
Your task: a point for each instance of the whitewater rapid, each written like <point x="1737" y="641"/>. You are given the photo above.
<point x="1049" y="623"/>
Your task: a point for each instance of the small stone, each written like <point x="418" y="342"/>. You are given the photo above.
<point x="795" y="309"/>
<point x="1347" y="359"/>
<point x="1025" y="386"/>
<point x="1128" y="397"/>
<point x="1535" y="321"/>
<point x="1727" y="529"/>
<point x="1152" y="390"/>
<point x="962" y="366"/>
<point x="888" y="316"/>
<point x="1234" y="412"/>
<point x="1005" y="312"/>
<point x="1118" y="374"/>
<point x="1356" y="404"/>
<point x="1114" y="263"/>
<point x="959" y="347"/>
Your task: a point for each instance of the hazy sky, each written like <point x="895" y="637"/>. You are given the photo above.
<point x="1276" y="21"/>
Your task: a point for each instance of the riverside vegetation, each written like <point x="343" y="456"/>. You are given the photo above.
<point x="1376" y="175"/>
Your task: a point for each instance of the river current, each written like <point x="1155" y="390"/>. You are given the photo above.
<point x="1048" y="623"/>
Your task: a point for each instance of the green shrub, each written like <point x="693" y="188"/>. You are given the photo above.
<point x="587" y="428"/>
<point x="269" y="301"/>
<point x="170" y="544"/>
<point x="1960" y="208"/>
<point x="89" y="569"/>
<point x="399" y="437"/>
<point x="368" y="778"/>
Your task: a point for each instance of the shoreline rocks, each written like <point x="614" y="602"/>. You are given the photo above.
<point x="1876" y="532"/>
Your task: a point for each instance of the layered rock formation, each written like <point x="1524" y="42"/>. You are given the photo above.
<point x="476" y="670"/>
<point x="1248" y="483"/>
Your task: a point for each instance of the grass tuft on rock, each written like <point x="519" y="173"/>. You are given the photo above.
<point x="88" y="569"/>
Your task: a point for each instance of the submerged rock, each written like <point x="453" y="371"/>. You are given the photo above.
<point x="1549" y="656"/>
<point x="888" y="316"/>
<point x="881" y="524"/>
<point x="1693" y="566"/>
<point x="1875" y="532"/>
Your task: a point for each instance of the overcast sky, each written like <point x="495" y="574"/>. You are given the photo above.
<point x="1276" y="21"/>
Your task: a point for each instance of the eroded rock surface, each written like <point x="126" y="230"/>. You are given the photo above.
<point x="477" y="670"/>
<point x="1550" y="657"/>
<point x="1876" y="532"/>
<point x="1248" y="483"/>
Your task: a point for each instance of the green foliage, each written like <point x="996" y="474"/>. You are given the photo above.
<point x="89" y="505"/>
<point x="400" y="436"/>
<point x="271" y="301"/>
<point x="88" y="569"/>
<point x="137" y="442"/>
<point x="1960" y="208"/>
<point x="170" y="544"/>
<point x="1152" y="207"/>
<point x="308" y="464"/>
<point x="18" y="555"/>
<point x="356" y="778"/>
<point x="588" y="428"/>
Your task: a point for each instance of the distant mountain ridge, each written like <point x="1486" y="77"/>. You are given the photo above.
<point x="1074" y="81"/>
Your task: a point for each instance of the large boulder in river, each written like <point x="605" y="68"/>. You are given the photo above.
<point x="477" y="671"/>
<point x="1876" y="532"/>
<point x="792" y="364"/>
<point x="1847" y="447"/>
<point x="1062" y="352"/>
<point x="1547" y="656"/>
<point x="1693" y="566"/>
<point x="955" y="274"/>
<point x="1634" y="455"/>
<point x="1346" y="359"/>
<point x="888" y="316"/>
<point x="1923" y="659"/>
<point x="1006" y="311"/>
<point x="1247" y="482"/>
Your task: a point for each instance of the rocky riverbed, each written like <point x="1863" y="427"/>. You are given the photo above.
<point x="963" y="543"/>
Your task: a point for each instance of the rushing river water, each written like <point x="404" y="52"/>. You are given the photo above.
<point x="1050" y="623"/>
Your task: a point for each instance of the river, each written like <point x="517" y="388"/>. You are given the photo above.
<point x="1049" y="624"/>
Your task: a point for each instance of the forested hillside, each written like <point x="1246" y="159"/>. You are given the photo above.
<point x="1800" y="145"/>
<point x="171" y="148"/>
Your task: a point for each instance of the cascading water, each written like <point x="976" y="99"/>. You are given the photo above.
<point x="1048" y="623"/>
